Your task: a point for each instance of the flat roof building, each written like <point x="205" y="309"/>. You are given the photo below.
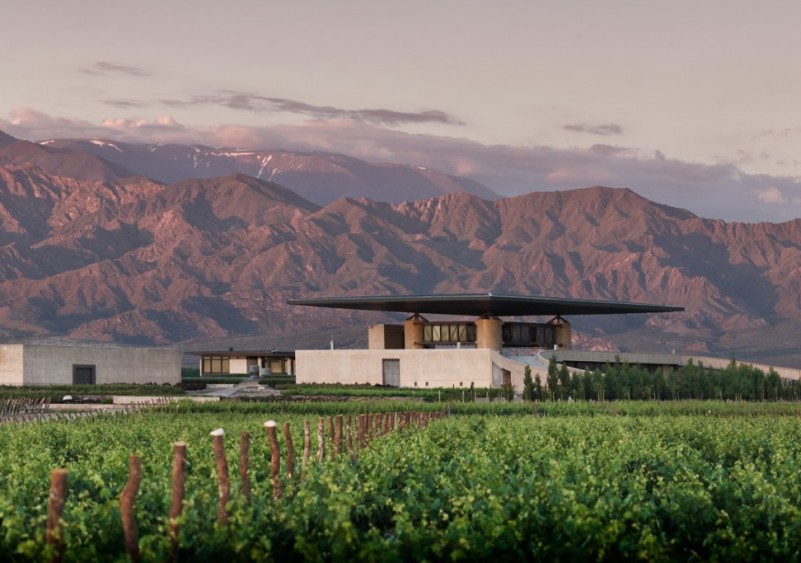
<point x="447" y="353"/>
<point x="245" y="362"/>
<point x="77" y="363"/>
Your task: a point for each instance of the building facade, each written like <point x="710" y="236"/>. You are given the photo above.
<point x="87" y="364"/>
<point x="245" y="362"/>
<point x="484" y="352"/>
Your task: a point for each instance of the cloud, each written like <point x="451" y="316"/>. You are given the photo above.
<point x="124" y="104"/>
<point x="245" y="101"/>
<point x="602" y="130"/>
<point x="27" y="123"/>
<point x="103" y="68"/>
<point x="771" y="194"/>
<point x="717" y="190"/>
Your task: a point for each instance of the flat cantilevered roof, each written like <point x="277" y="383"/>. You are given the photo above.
<point x="480" y="304"/>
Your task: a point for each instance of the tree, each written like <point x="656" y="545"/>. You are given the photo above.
<point x="537" y="388"/>
<point x="528" y="384"/>
<point x="564" y="382"/>
<point x="552" y="381"/>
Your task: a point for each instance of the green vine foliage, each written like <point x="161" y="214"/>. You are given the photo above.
<point x="709" y="481"/>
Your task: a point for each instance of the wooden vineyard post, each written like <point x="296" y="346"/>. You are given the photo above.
<point x="368" y="430"/>
<point x="306" y="449"/>
<point x="222" y="473"/>
<point x="290" y="452"/>
<point x="349" y="440"/>
<point x="244" y="451"/>
<point x="320" y="439"/>
<point x="338" y="435"/>
<point x="333" y="441"/>
<point x="177" y="501"/>
<point x="127" y="500"/>
<point x="275" y="458"/>
<point x="362" y="441"/>
<point x="55" y="507"/>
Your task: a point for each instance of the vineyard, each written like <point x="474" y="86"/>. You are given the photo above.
<point x="511" y="481"/>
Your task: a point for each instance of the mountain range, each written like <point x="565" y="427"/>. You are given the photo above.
<point x="319" y="177"/>
<point x="112" y="249"/>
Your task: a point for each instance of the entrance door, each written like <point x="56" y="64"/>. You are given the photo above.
<point x="391" y="372"/>
<point x="83" y="375"/>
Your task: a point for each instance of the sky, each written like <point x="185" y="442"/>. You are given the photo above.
<point x="694" y="104"/>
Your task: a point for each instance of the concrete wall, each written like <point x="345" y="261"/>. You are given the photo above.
<point x="418" y="368"/>
<point x="635" y="358"/>
<point x="517" y="369"/>
<point x="11" y="364"/>
<point x="52" y="365"/>
<point x="721" y="363"/>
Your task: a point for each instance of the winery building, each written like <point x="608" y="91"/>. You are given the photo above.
<point x="245" y="362"/>
<point x="73" y="363"/>
<point x="485" y="350"/>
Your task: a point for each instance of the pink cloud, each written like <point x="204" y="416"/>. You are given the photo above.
<point x="770" y="194"/>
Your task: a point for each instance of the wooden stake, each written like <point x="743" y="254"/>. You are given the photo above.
<point x="306" y="449"/>
<point x="349" y="434"/>
<point x="244" y="451"/>
<point x="290" y="452"/>
<point x="127" y="511"/>
<point x="320" y="439"/>
<point x="338" y="435"/>
<point x="222" y="474"/>
<point x="275" y="458"/>
<point x="362" y="441"/>
<point x="332" y="432"/>
<point x="177" y="502"/>
<point x="55" y="507"/>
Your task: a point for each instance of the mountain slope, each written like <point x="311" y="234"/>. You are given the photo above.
<point x="58" y="162"/>
<point x="139" y="261"/>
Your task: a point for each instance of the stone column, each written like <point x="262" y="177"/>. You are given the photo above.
<point x="413" y="332"/>
<point x="562" y="333"/>
<point x="488" y="334"/>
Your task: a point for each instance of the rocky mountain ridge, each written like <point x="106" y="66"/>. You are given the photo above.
<point x="317" y="176"/>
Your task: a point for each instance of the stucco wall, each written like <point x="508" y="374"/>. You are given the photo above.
<point x="11" y="364"/>
<point x="425" y="368"/>
<point x="52" y="365"/>
<point x="518" y="369"/>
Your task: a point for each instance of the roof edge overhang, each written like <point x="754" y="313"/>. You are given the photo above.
<point x="477" y="304"/>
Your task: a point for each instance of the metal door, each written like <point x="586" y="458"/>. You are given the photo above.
<point x="391" y="372"/>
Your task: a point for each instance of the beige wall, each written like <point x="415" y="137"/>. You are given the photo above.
<point x="52" y="365"/>
<point x="425" y="368"/>
<point x="11" y="364"/>
<point x="517" y="370"/>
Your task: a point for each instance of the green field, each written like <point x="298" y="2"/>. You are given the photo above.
<point x="580" y="481"/>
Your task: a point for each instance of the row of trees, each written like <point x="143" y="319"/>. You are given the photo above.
<point x="621" y="381"/>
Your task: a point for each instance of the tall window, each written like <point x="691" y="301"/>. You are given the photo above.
<point x="216" y="364"/>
